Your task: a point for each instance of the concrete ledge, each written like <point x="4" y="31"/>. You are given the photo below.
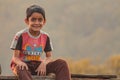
<point x="94" y="76"/>
<point x="8" y="77"/>
<point x="73" y="76"/>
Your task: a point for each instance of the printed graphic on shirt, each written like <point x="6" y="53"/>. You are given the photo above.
<point x="32" y="52"/>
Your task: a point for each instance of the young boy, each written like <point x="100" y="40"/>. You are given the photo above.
<point x="28" y="46"/>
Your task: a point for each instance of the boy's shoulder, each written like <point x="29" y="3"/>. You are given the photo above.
<point x="21" y="32"/>
<point x="44" y="33"/>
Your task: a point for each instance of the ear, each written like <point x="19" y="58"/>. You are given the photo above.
<point x="26" y="21"/>
<point x="44" y="22"/>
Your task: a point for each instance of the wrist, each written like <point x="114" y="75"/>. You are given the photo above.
<point x="44" y="62"/>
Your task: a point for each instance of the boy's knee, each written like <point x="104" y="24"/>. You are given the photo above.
<point x="61" y="61"/>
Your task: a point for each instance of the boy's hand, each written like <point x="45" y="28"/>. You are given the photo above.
<point x="21" y="65"/>
<point x="41" y="70"/>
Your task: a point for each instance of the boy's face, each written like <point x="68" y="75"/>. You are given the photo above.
<point x="35" y="21"/>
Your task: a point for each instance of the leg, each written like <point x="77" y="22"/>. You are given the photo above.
<point x="23" y="74"/>
<point x="60" y="68"/>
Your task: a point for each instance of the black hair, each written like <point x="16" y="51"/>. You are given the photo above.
<point x="34" y="8"/>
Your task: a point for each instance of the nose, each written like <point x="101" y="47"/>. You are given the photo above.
<point x="37" y="22"/>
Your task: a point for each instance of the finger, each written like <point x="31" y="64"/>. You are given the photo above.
<point x="26" y="67"/>
<point x="19" y="67"/>
<point x="36" y="70"/>
<point x="38" y="73"/>
<point x="22" y="67"/>
<point x="43" y="73"/>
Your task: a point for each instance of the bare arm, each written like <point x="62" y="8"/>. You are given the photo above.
<point x="41" y="70"/>
<point x="16" y="60"/>
<point x="48" y="57"/>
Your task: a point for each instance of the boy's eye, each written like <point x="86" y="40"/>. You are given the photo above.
<point x="40" y="19"/>
<point x="35" y="19"/>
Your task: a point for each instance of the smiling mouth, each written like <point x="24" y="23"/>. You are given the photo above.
<point x="36" y="26"/>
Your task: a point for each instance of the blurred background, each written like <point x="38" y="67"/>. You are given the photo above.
<point x="84" y="32"/>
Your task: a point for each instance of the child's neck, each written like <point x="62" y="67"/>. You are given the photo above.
<point x="34" y="33"/>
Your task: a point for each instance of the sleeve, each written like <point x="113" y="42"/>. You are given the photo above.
<point x="48" y="46"/>
<point x="17" y="43"/>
